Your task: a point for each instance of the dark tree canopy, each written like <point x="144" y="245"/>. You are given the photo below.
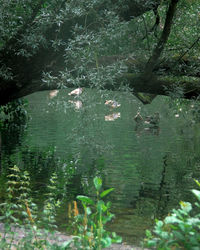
<point x="148" y="46"/>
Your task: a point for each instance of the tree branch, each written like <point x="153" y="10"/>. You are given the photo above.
<point x="194" y="43"/>
<point x="163" y="39"/>
<point x="20" y="32"/>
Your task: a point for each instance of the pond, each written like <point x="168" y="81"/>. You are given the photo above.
<point x="151" y="167"/>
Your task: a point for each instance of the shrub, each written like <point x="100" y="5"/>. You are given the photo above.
<point x="179" y="230"/>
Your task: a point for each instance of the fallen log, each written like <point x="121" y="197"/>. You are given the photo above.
<point x="164" y="85"/>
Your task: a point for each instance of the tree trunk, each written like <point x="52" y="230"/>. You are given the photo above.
<point x="151" y="64"/>
<point x="28" y="71"/>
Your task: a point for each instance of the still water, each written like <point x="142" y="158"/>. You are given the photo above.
<point x="151" y="168"/>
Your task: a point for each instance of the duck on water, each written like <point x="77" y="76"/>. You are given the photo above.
<point x="151" y="120"/>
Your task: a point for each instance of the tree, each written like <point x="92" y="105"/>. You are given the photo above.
<point x="147" y="45"/>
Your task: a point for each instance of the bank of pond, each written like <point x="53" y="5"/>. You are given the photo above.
<point x="26" y="226"/>
<point x="149" y="154"/>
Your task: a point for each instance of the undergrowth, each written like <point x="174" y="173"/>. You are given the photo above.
<point x="179" y="230"/>
<point x="25" y="227"/>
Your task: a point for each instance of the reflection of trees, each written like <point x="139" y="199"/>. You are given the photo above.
<point x="13" y="125"/>
<point x="82" y="131"/>
<point x="168" y="163"/>
<point x="41" y="165"/>
<point x="161" y="195"/>
<point x="13" y="120"/>
<point x="175" y="184"/>
<point x="87" y="136"/>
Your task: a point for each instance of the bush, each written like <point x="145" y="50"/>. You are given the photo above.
<point x="179" y="230"/>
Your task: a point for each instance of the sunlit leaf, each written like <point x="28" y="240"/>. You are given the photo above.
<point x="97" y="183"/>
<point x="107" y="241"/>
<point x="197" y="182"/>
<point x="186" y="206"/>
<point x="104" y="193"/>
<point x="88" y="211"/>
<point x="85" y="199"/>
<point x="171" y="220"/>
<point x="196" y="193"/>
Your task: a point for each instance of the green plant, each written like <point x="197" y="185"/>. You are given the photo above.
<point x="50" y="205"/>
<point x="19" y="213"/>
<point x="179" y="230"/>
<point x="18" y="209"/>
<point x="14" y="116"/>
<point x="17" y="196"/>
<point x="91" y="232"/>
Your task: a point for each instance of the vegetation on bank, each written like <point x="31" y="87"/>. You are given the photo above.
<point x="19" y="210"/>
<point x="179" y="230"/>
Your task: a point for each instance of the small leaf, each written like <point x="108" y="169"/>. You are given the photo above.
<point x="98" y="183"/>
<point x="171" y="220"/>
<point x="196" y="193"/>
<point x="151" y="243"/>
<point x="148" y="234"/>
<point x="104" y="193"/>
<point x="186" y="206"/>
<point x="85" y="199"/>
<point x="197" y="182"/>
<point x="159" y="223"/>
<point x="116" y="238"/>
<point x="107" y="241"/>
<point x="3" y="204"/>
<point x="88" y="211"/>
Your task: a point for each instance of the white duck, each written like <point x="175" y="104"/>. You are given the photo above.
<point x="112" y="103"/>
<point x="76" y="92"/>
<point x="53" y="93"/>
<point x="112" y="117"/>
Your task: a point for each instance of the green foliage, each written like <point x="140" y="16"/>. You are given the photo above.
<point x="17" y="196"/>
<point x="13" y="116"/>
<point x="93" y="40"/>
<point x="41" y="165"/>
<point x="50" y="205"/>
<point x="18" y="212"/>
<point x="179" y="230"/>
<point x="98" y="184"/>
<point x="91" y="232"/>
<point x="95" y="37"/>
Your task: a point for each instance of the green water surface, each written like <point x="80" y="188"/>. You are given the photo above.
<point x="151" y="169"/>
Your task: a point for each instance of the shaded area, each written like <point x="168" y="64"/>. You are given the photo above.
<point x="151" y="168"/>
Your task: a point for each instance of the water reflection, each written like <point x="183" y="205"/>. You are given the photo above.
<point x="148" y="124"/>
<point x="112" y="116"/>
<point x="149" y="160"/>
<point x="77" y="104"/>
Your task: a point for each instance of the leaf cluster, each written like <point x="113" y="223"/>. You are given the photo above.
<point x="179" y="230"/>
<point x="91" y="232"/>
